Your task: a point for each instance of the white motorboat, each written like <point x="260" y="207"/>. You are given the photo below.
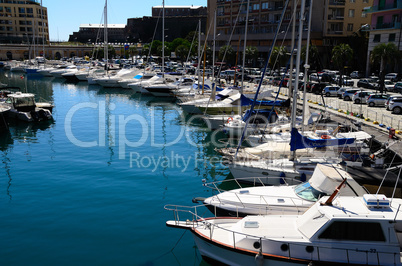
<point x="281" y="200"/>
<point x="124" y="83"/>
<point x="113" y="80"/>
<point x="23" y="107"/>
<point x="140" y="86"/>
<point x="363" y="230"/>
<point x="169" y="86"/>
<point x="57" y="73"/>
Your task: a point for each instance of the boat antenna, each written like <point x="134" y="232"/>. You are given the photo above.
<point x="336" y="191"/>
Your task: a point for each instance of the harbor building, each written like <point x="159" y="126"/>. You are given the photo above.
<point x="94" y="33"/>
<point x="385" y="26"/>
<point x="23" y="22"/>
<point x="179" y="22"/>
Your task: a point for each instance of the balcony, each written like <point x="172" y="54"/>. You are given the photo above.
<point x="387" y="26"/>
<point x="387" y="7"/>
<point x="334" y="32"/>
<point x="337" y="2"/>
<point x="331" y="17"/>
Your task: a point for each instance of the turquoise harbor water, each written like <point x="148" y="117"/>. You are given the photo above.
<point x="90" y="188"/>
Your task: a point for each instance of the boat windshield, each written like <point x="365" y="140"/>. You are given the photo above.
<point x="307" y="192"/>
<point x="23" y="101"/>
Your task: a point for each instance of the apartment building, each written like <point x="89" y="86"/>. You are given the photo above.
<point x="385" y="25"/>
<point x="23" y="22"/>
<point x="333" y="22"/>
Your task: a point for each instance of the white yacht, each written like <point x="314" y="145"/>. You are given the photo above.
<point x="112" y="81"/>
<point x="365" y="230"/>
<point x="57" y="73"/>
<point x="295" y="199"/>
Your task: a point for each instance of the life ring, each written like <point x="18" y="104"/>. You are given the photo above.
<point x="229" y="119"/>
<point x="325" y="137"/>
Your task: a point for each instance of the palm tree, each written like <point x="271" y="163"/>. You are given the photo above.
<point x="313" y="57"/>
<point x="384" y="53"/>
<point x="279" y="57"/>
<point x="342" y="55"/>
<point x="251" y="53"/>
<point x="226" y="53"/>
<point x="182" y="52"/>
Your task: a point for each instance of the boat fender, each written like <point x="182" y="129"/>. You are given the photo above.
<point x="259" y="258"/>
<point x="325" y="137"/>
<point x="198" y="199"/>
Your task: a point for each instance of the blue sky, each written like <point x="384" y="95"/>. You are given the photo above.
<point x="65" y="17"/>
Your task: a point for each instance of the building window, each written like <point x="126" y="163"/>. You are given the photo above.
<point x="365" y="1"/>
<point x="391" y="37"/>
<point x="350" y="27"/>
<point x="352" y="1"/>
<point x="364" y="15"/>
<point x="351" y="13"/>
<point x="256" y="7"/>
<point x="377" y="38"/>
<point x="21" y="10"/>
<point x="264" y="5"/>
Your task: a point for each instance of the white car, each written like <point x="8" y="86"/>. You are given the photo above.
<point x="330" y="91"/>
<point x="361" y="96"/>
<point x="392" y="76"/>
<point x="377" y="100"/>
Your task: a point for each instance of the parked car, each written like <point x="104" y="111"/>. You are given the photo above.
<point x="392" y="77"/>
<point x="398" y="87"/>
<point x="361" y="96"/>
<point x="356" y="74"/>
<point x="341" y="91"/>
<point x="347" y="95"/>
<point x="347" y="81"/>
<point x="367" y="83"/>
<point x="377" y="100"/>
<point x="389" y="85"/>
<point x="330" y="91"/>
<point x="395" y="105"/>
<point x="318" y="87"/>
<point x="391" y="98"/>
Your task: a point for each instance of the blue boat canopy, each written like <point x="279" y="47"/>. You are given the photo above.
<point x="298" y="141"/>
<point x="246" y="101"/>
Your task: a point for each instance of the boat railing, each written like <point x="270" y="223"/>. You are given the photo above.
<point x="266" y="245"/>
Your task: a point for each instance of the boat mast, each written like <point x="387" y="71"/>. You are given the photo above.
<point x="298" y="54"/>
<point x="244" y="48"/>
<point x="199" y="52"/>
<point x="306" y="65"/>
<point x="213" y="60"/>
<point x="43" y="32"/>
<point x="106" y="38"/>
<point x="163" y="39"/>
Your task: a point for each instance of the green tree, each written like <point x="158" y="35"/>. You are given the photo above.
<point x="385" y="54"/>
<point x="182" y="52"/>
<point x="279" y="57"/>
<point x="227" y="54"/>
<point x="313" y="57"/>
<point x="342" y="55"/>
<point x="251" y="54"/>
